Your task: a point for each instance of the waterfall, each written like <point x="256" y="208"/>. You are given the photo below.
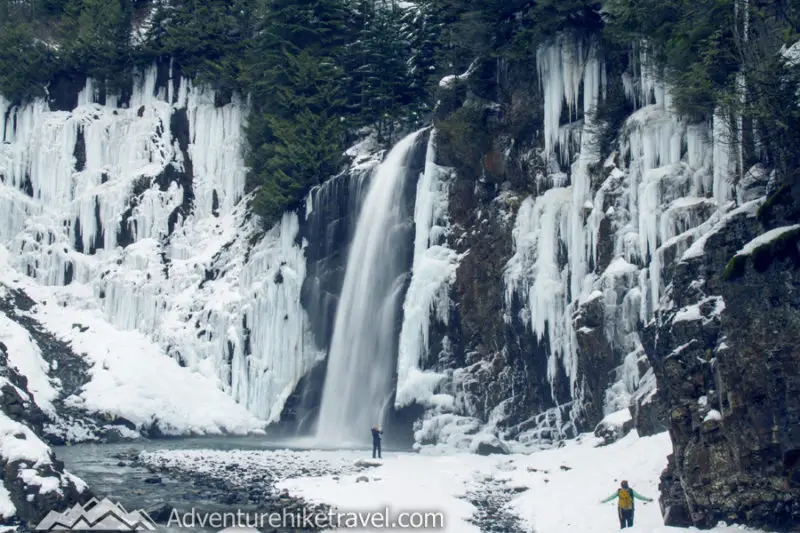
<point x="361" y="361"/>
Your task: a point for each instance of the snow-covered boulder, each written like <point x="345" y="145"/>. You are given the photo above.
<point x="614" y="426"/>
<point x="488" y="444"/>
<point x="34" y="482"/>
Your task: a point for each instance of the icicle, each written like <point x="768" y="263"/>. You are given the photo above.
<point x="246" y="327"/>
<point x="723" y="160"/>
<point x="561" y="70"/>
<point x="87" y="95"/>
<point x="433" y="270"/>
<point x="216" y="151"/>
<point x="5" y="106"/>
<point x="534" y="271"/>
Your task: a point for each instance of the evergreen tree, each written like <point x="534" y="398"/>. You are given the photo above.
<point x="21" y="79"/>
<point x="207" y="39"/>
<point x="297" y="88"/>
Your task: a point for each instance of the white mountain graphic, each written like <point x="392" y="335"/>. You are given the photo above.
<point x="97" y="515"/>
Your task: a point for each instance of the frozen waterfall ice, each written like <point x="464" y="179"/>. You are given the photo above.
<point x="667" y="181"/>
<point x="432" y="272"/>
<point x="361" y="365"/>
<point x="137" y="209"/>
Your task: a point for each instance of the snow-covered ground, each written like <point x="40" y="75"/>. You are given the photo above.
<point x="564" y="486"/>
<point x="552" y="491"/>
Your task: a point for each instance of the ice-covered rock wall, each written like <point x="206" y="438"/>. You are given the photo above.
<point x="566" y="247"/>
<point x="432" y="273"/>
<point x="592" y="252"/>
<point x="140" y="203"/>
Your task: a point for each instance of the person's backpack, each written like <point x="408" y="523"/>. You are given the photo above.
<point x="625" y="498"/>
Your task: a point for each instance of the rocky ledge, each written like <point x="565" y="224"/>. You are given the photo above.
<point x="34" y="481"/>
<point x="726" y="359"/>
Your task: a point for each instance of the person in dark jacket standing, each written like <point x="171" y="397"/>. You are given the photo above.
<point x="376" y="442"/>
<point x="625" y="507"/>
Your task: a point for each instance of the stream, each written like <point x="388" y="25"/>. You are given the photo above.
<point x="111" y="471"/>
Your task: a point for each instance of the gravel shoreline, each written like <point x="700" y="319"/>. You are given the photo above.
<point x="245" y="484"/>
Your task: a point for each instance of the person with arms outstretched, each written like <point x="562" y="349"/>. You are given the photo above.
<point x="376" y="441"/>
<point x="625" y="508"/>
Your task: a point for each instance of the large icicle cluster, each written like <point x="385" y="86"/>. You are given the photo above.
<point x="666" y="185"/>
<point x="433" y="271"/>
<point x="549" y="281"/>
<point x="564" y="66"/>
<point x="141" y="205"/>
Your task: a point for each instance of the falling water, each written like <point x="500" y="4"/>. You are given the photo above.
<point x="358" y="384"/>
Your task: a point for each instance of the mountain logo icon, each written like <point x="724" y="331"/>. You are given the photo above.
<point x="103" y="515"/>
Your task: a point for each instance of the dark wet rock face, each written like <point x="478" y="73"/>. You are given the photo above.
<point x="648" y="410"/>
<point x="31" y="503"/>
<point x="35" y="480"/>
<point x="726" y="358"/>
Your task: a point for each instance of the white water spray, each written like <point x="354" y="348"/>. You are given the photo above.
<point x="358" y="384"/>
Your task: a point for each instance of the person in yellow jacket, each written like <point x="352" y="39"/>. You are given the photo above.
<point x="626" y="496"/>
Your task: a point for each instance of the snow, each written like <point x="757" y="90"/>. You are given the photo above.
<point x="693" y="312"/>
<point x="131" y="376"/>
<point x="593" y="474"/>
<point x="24" y="354"/>
<point x="688" y="314"/>
<point x="19" y="443"/>
<point x="579" y="473"/>
<point x="792" y="53"/>
<point x="713" y="414"/>
<point x="433" y="271"/>
<point x="618" y="418"/>
<point x="449" y="81"/>
<point x="46" y="484"/>
<point x="27" y="447"/>
<point x="7" y="508"/>
<point x="620" y="267"/>
<point x="766" y="238"/>
<point x="697" y="249"/>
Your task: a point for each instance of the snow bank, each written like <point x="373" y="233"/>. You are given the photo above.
<point x="582" y="475"/>
<point x="766" y="238"/>
<point x="552" y="491"/>
<point x="24" y="354"/>
<point x="403" y="483"/>
<point x="19" y="443"/>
